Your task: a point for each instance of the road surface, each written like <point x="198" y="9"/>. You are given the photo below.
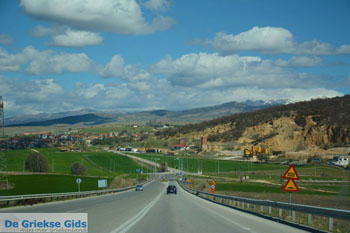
<point x="154" y="211"/>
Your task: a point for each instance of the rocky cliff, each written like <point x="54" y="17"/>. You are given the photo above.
<point x="309" y="125"/>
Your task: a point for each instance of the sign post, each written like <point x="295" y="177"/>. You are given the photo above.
<point x="78" y="180"/>
<point x="290" y="186"/>
<point x="138" y="170"/>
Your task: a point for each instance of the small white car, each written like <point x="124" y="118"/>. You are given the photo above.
<point x="139" y="187"/>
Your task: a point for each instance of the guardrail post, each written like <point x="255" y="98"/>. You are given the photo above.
<point x="280" y="213"/>
<point x="309" y="219"/>
<point x="293" y="216"/>
<point x="248" y="205"/>
<point x="270" y="209"/>
<point x="261" y="208"/>
<point x="330" y="224"/>
<point x="242" y="205"/>
<point x="254" y="207"/>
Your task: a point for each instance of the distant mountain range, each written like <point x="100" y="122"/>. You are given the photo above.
<point x="93" y="117"/>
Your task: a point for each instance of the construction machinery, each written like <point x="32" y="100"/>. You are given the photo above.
<point x="254" y="151"/>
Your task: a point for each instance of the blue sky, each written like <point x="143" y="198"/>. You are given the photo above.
<point x="130" y="55"/>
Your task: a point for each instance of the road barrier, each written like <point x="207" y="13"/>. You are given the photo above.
<point x="6" y="201"/>
<point x="250" y="205"/>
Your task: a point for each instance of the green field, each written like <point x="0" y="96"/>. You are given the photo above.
<point x="116" y="128"/>
<point x="35" y="184"/>
<point x="97" y="163"/>
<point x="193" y="164"/>
<point x="235" y="169"/>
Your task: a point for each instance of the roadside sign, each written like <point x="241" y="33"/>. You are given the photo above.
<point x="291" y="173"/>
<point x="102" y="183"/>
<point x="138" y="170"/>
<point x="212" y="186"/>
<point x="191" y="184"/>
<point x="290" y="186"/>
<point x="78" y="180"/>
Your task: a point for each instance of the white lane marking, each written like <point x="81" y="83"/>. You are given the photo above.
<point x="230" y="220"/>
<point x="71" y="211"/>
<point x="216" y="213"/>
<point x="131" y="222"/>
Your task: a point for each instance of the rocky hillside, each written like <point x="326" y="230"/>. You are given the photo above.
<point x="320" y="123"/>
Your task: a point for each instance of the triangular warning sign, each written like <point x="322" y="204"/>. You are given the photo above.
<point x="291" y="173"/>
<point x="290" y="186"/>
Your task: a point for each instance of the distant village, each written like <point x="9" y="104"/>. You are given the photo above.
<point x="77" y="141"/>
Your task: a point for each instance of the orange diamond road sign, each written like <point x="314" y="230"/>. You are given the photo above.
<point x="290" y="186"/>
<point x="212" y="186"/>
<point x="291" y="173"/>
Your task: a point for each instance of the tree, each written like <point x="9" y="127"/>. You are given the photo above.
<point x="36" y="162"/>
<point x="78" y="169"/>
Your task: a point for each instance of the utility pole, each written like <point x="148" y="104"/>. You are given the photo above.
<point x="53" y="166"/>
<point x="2" y="118"/>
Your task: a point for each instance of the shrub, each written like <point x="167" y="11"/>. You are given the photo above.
<point x="36" y="162"/>
<point x="78" y="169"/>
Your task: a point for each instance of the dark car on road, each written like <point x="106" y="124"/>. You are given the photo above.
<point x="171" y="189"/>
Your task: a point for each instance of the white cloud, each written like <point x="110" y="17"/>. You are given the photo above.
<point x="300" y="61"/>
<point x="57" y="64"/>
<point x="6" y="39"/>
<point x="117" y="68"/>
<point x="10" y="62"/>
<point x="157" y="5"/>
<point x="30" y="97"/>
<point x="214" y="71"/>
<point x="66" y="37"/>
<point x="40" y="31"/>
<point x="272" y="40"/>
<point x="44" y="62"/>
<point x="116" y="16"/>
<point x="35" y="96"/>
<point x="74" y="38"/>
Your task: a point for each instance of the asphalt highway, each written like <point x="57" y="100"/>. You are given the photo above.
<point x="152" y="210"/>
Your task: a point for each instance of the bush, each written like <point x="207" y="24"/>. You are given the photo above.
<point x="36" y="162"/>
<point x="78" y="169"/>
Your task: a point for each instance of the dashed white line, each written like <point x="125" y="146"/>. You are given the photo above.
<point x="72" y="211"/>
<point x="131" y="222"/>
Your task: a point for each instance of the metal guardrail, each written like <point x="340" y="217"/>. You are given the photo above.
<point x="5" y="200"/>
<point x="310" y="210"/>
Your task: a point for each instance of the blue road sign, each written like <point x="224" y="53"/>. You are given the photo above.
<point x="138" y="170"/>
